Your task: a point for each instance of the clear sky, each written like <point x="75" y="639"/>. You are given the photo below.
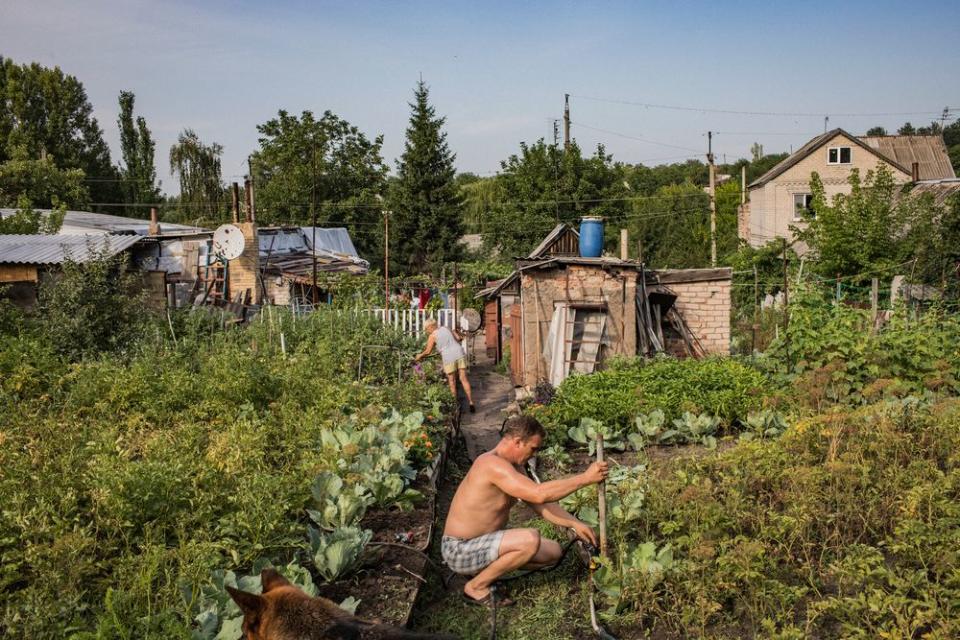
<point x="498" y="70"/>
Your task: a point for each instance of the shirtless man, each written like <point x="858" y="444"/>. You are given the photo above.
<point x="475" y="542"/>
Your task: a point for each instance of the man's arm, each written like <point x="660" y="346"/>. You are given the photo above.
<point x="555" y="514"/>
<point x="427" y="349"/>
<point x="515" y="484"/>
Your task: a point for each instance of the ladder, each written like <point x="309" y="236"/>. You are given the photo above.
<point x="213" y="281"/>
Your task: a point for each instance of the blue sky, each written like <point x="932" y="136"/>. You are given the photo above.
<point x="498" y="70"/>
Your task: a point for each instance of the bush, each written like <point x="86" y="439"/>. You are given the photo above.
<point x="844" y="527"/>
<point x="91" y="307"/>
<point x="722" y="387"/>
<point x="129" y="474"/>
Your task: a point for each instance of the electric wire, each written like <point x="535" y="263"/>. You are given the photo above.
<point x="792" y="114"/>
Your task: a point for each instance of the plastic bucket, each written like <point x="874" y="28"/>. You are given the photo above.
<point x="591" y="237"/>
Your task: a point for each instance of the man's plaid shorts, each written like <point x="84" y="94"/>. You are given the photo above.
<point x="469" y="557"/>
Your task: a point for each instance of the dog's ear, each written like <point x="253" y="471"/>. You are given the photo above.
<point x="271" y="579"/>
<point x="250" y="603"/>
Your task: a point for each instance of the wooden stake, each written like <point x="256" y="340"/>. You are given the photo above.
<point x="602" y="499"/>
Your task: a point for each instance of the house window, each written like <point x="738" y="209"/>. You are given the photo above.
<point x="803" y="206"/>
<point x="839" y="155"/>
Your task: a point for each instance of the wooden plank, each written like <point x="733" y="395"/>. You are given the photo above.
<point x="668" y="276"/>
<point x="18" y="273"/>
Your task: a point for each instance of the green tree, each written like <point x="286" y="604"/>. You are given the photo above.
<point x="545" y="184"/>
<point x="44" y="113"/>
<point x="137" y="148"/>
<point x="479" y="197"/>
<point x="856" y="233"/>
<point x="426" y="204"/>
<point x="876" y="131"/>
<point x="27" y="220"/>
<point x="302" y="161"/>
<point x="907" y="130"/>
<point x="198" y="167"/>
<point x="42" y="184"/>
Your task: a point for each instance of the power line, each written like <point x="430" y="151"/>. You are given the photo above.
<point x="797" y="114"/>
<point x="639" y="138"/>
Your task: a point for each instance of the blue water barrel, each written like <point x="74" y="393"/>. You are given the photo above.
<point x="591" y="237"/>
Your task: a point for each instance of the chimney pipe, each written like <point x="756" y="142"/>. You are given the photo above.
<point x="248" y="199"/>
<point x="915" y="172"/>
<point x="235" y="206"/>
<point x="624" y="244"/>
<point x="154" y="222"/>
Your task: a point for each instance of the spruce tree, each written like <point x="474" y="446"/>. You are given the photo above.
<point x="426" y="222"/>
<point x="137" y="148"/>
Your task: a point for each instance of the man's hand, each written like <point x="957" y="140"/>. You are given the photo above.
<point x="596" y="472"/>
<point x="585" y="532"/>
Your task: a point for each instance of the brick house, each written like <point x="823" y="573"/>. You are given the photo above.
<point x="572" y="314"/>
<point x="778" y="198"/>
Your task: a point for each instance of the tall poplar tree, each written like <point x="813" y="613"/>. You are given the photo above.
<point x="427" y="206"/>
<point x="137" y="147"/>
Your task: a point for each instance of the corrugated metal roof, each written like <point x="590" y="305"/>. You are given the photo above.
<point x="929" y="151"/>
<point x="55" y="249"/>
<point x="87" y="222"/>
<point x="330" y="241"/>
<point x="939" y="190"/>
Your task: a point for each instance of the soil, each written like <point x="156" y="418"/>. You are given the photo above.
<point x="388" y="584"/>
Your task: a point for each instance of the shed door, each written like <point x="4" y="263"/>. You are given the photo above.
<point x="516" y="344"/>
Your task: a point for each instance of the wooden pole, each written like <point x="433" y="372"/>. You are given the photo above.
<point x="713" y="201"/>
<point x="786" y="299"/>
<point x="602" y="501"/>
<point x="756" y="309"/>
<point x="386" y="260"/>
<point x="640" y="250"/>
<point x="624" y="244"/>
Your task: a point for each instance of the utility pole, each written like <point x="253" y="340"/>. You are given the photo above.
<point x="713" y="201"/>
<point x="566" y="121"/>
<point x="556" y="132"/>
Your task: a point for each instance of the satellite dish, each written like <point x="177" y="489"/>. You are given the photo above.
<point x="228" y="242"/>
<point x="470" y="320"/>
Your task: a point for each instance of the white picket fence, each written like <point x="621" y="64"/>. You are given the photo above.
<point x="411" y="321"/>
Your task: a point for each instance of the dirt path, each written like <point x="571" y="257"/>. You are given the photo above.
<point x="492" y="392"/>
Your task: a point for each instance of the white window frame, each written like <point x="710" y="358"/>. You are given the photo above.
<point x="808" y="197"/>
<point x="839" y="151"/>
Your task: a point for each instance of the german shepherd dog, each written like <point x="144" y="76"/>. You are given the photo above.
<point x="285" y="612"/>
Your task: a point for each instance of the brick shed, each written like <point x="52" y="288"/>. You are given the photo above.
<point x="572" y="314"/>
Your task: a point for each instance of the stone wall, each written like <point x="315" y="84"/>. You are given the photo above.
<point x="703" y="299"/>
<point x="540" y="290"/>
